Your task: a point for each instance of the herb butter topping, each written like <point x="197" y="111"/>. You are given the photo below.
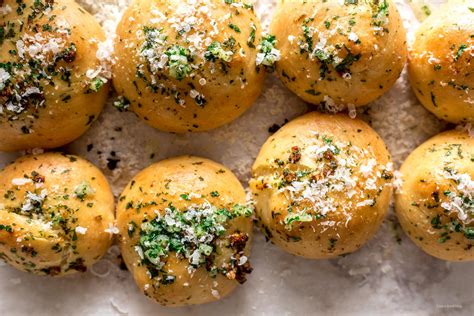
<point x="442" y="68"/>
<point x="42" y="221"/>
<point x="338" y="56"/>
<point x="41" y="57"/>
<point x="194" y="234"/>
<point x="447" y="193"/>
<point x="179" y="44"/>
<point x="325" y="177"/>
<point x="454" y="60"/>
<point x="457" y="201"/>
<point x="460" y="202"/>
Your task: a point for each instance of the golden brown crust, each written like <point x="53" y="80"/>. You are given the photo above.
<point x="54" y="213"/>
<point x="180" y="183"/>
<point x="433" y="176"/>
<point x="322" y="185"/>
<point x="339" y="54"/>
<point x="53" y="102"/>
<point x="214" y="90"/>
<point x="441" y="64"/>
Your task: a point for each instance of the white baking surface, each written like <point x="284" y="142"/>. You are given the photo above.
<point x="384" y="277"/>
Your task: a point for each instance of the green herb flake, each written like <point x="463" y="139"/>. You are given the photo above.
<point x="179" y="62"/>
<point x="234" y="27"/>
<point x="83" y="190"/>
<point x="185" y="197"/>
<point x="96" y="84"/>
<point x="122" y="104"/>
<point x="460" y="51"/>
<point x="268" y="55"/>
<point x="6" y="228"/>
<point x="216" y="52"/>
<point x="426" y="10"/>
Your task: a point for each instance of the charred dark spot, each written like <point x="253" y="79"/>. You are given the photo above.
<point x="53" y="271"/>
<point x="295" y="155"/>
<point x="77" y="265"/>
<point x="238" y="241"/>
<point x="112" y="162"/>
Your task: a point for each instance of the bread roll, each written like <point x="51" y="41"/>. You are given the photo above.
<point x="339" y="53"/>
<point x="185" y="231"/>
<point x="56" y="211"/>
<point x="441" y="64"/>
<point x="189" y="66"/>
<point x="322" y="185"/>
<point x="435" y="204"/>
<point x="52" y="84"/>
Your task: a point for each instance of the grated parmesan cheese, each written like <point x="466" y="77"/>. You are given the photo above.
<point x="81" y="230"/>
<point x="21" y="181"/>
<point x="112" y="229"/>
<point x="4" y="10"/>
<point x="460" y="202"/>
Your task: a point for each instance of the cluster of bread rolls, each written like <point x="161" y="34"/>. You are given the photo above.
<point x="321" y="185"/>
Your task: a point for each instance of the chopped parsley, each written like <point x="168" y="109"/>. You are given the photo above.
<point x="296" y="217"/>
<point x="179" y="62"/>
<point x="96" y="84"/>
<point x="268" y="54"/>
<point x="215" y="52"/>
<point x="234" y="27"/>
<point x="185" y="197"/>
<point x="381" y="12"/>
<point x="251" y="39"/>
<point x="122" y="104"/>
<point x="83" y="190"/>
<point x="6" y="228"/>
<point x="460" y="51"/>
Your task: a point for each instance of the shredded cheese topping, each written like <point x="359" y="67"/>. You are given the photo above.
<point x="460" y="202"/>
<point x="193" y="235"/>
<point x="328" y="176"/>
<point x="42" y="58"/>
